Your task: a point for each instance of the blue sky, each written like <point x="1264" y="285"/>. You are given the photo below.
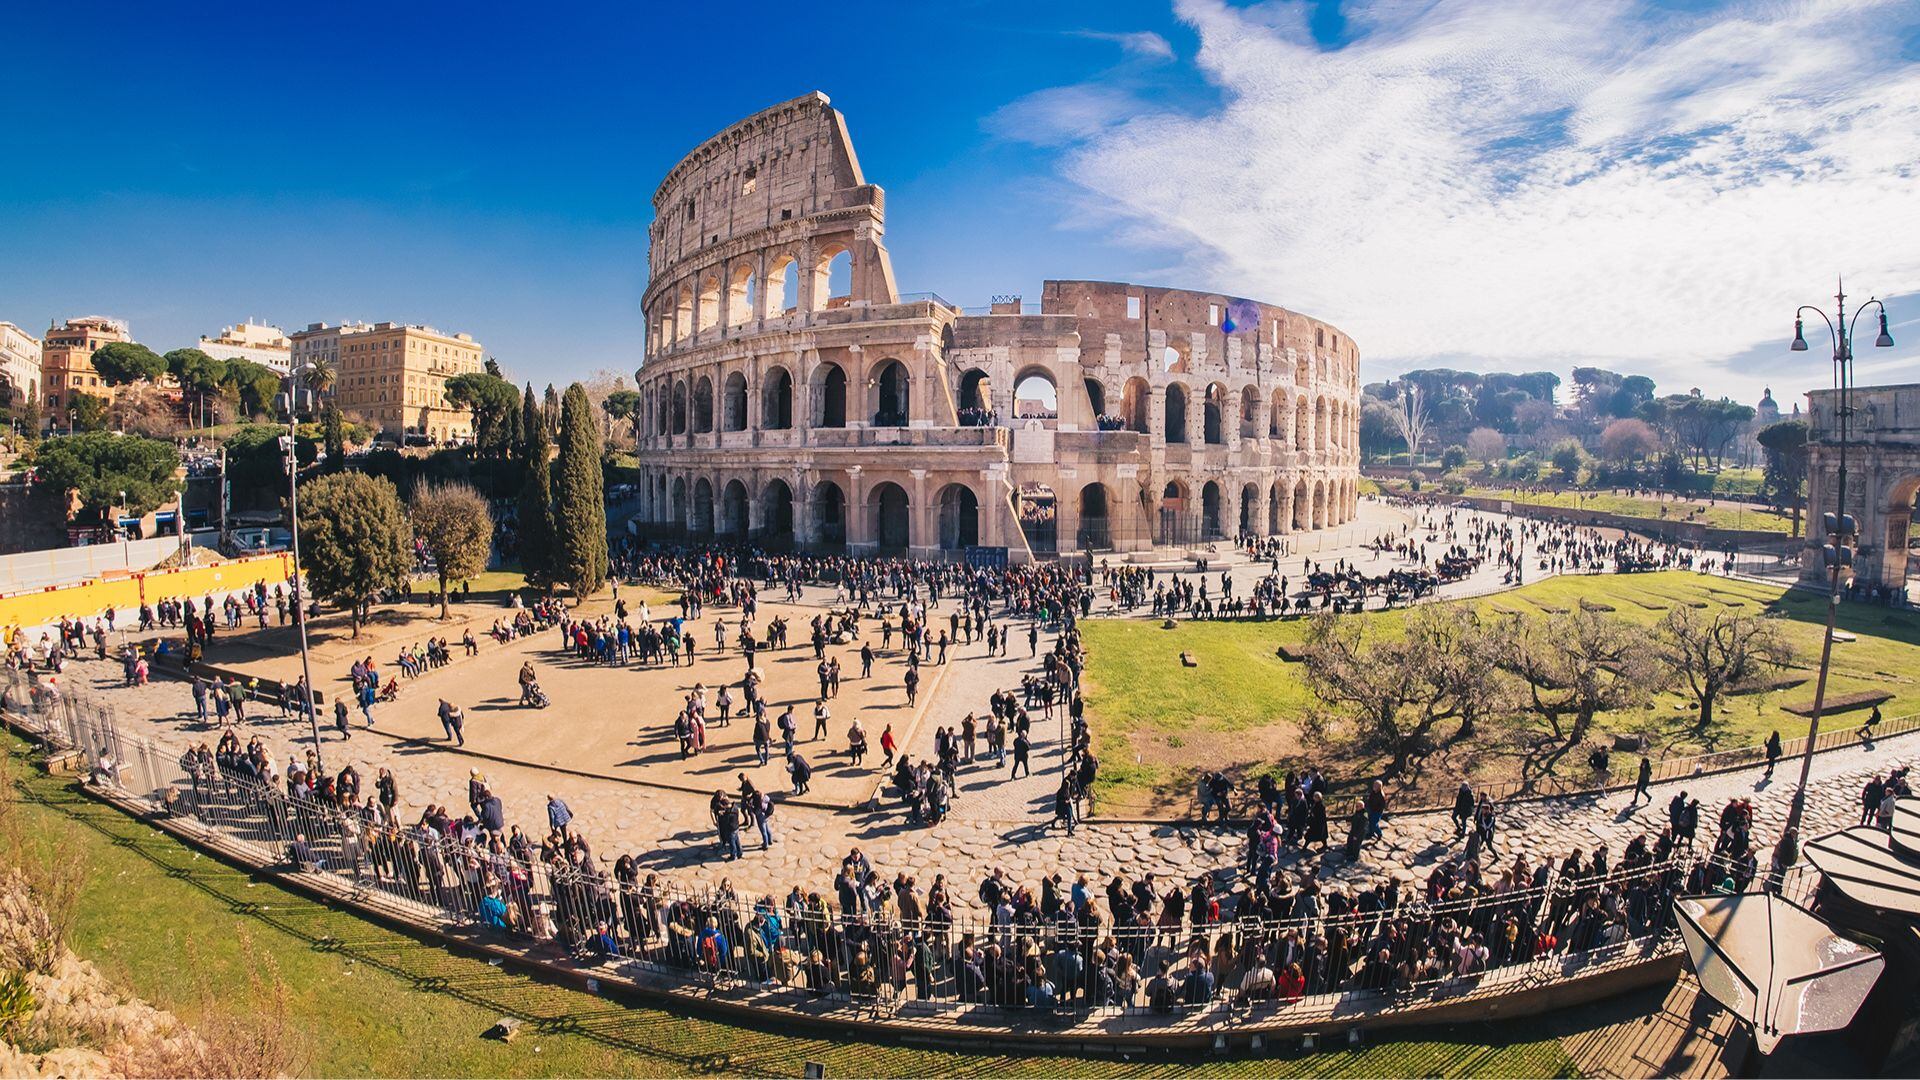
<point x="1479" y="181"/>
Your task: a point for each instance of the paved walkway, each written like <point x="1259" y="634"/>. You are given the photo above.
<point x="995" y="822"/>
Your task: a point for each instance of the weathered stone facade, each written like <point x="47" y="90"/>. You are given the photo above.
<point x="1883" y="478"/>
<point x="783" y="405"/>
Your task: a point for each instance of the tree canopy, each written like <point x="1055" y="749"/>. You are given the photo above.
<point x="98" y="466"/>
<point x="535" y="511"/>
<point x="122" y="362"/>
<point x="492" y="401"/>
<point x="355" y="540"/>
<point x="580" y="511"/>
<point x="454" y="522"/>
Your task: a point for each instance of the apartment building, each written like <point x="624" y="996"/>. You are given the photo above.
<point x="66" y="360"/>
<point x="264" y="345"/>
<point x="19" y="365"/>
<point x="394" y="375"/>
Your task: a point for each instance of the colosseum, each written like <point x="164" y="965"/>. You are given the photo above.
<point x="794" y="396"/>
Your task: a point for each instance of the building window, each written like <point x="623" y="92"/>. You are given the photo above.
<point x="1213" y="314"/>
<point x="1133" y="307"/>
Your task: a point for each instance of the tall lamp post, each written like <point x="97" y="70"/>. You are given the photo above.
<point x="290" y="445"/>
<point x="1841" y="529"/>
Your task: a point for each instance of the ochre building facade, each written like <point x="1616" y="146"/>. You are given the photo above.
<point x="793" y="395"/>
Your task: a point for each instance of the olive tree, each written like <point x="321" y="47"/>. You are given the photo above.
<point x="1713" y="653"/>
<point x="454" y="522"/>
<point x="355" y="541"/>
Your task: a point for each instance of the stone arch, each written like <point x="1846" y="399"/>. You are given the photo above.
<point x="1274" y="524"/>
<point x="890" y="398"/>
<point x="1096" y="519"/>
<point x="683" y="312"/>
<point x="976" y="394"/>
<point x="782" y="285"/>
<point x="703" y="405"/>
<point x="1214" y="415"/>
<point x="702" y="524"/>
<point x="959" y="518"/>
<point x="1320" y="423"/>
<point x="891" y="513"/>
<point x="776" y="514"/>
<point x="1901" y="555"/>
<point x="707" y="314"/>
<point x="832" y="267"/>
<point x="679" y="502"/>
<point x="776" y="399"/>
<point x="1302" y="505"/>
<point x="1249" y="412"/>
<point x="1211" y="499"/>
<point x="1136" y="402"/>
<point x="680" y="407"/>
<point x="1277" y="419"/>
<point x="1096" y="397"/>
<point x="740" y="298"/>
<point x="1035" y="394"/>
<point x="1249" y="507"/>
<point x="827" y="509"/>
<point x="1177" y="357"/>
<point x="735" y="517"/>
<point x="829" y="393"/>
<point x="1176" y="411"/>
<point x="1173" y="512"/>
<point x="733" y="409"/>
<point x="1319" y="517"/>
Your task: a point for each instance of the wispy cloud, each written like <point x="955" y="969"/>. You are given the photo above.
<point x="1144" y="44"/>
<point x="1535" y="184"/>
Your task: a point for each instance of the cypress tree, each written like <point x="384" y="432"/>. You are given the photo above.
<point x="551" y="406"/>
<point x="536" y="501"/>
<point x="580" y="510"/>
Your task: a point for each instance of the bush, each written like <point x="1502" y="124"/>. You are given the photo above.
<point x="1453" y="457"/>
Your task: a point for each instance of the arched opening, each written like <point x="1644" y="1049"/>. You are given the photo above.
<point x="1273" y="510"/>
<point x="1097" y="402"/>
<point x="1176" y="413"/>
<point x="976" y="398"/>
<point x="890" y="389"/>
<point x="734" y="412"/>
<point x="832" y="278"/>
<point x="776" y="399"/>
<point x="830" y="396"/>
<point x="679" y="502"/>
<point x="1039" y="518"/>
<point x="664" y="423"/>
<point x="683" y="313"/>
<point x="1035" y="397"/>
<point x="1173" y="513"/>
<point x="733" y="511"/>
<point x="1900" y="570"/>
<point x="679" y="408"/>
<point x="1214" y="414"/>
<point x="828" y="509"/>
<point x="708" y="313"/>
<point x="1210" y="511"/>
<point x="1176" y="357"/>
<point x="1320" y="424"/>
<point x="740" y="296"/>
<point x="1277" y="418"/>
<point x="776" y="515"/>
<point x="1303" y="371"/>
<point x="1136" y="397"/>
<point x="783" y="286"/>
<point x="1319" y="505"/>
<point x="959" y="518"/>
<point x="1249" y="412"/>
<point x="703" y="406"/>
<point x="1301" y="419"/>
<point x="702" y="507"/>
<point x="887" y="504"/>
<point x="1096" y="526"/>
<point x="1302" y="506"/>
<point x="1249" y="510"/>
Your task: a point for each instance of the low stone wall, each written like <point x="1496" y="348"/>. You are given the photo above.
<point x="1682" y="532"/>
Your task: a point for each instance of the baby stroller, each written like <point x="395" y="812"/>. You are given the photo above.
<point x="531" y="694"/>
<point x="391" y="691"/>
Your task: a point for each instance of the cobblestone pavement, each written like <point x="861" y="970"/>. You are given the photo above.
<point x="995" y="822"/>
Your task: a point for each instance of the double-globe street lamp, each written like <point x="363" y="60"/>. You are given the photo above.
<point x="1840" y="527"/>
<point x="289" y="445"/>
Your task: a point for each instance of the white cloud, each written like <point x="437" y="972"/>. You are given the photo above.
<point x="1531" y="184"/>
<point x="1144" y="44"/>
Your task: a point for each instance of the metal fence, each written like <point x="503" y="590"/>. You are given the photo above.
<point x="1021" y="957"/>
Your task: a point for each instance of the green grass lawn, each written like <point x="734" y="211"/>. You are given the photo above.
<point x="1157" y="724"/>
<point x="1719" y="516"/>
<point x="181" y="930"/>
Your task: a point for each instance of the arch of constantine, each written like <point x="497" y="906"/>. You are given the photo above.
<point x="793" y="395"/>
<point x="1883" y="480"/>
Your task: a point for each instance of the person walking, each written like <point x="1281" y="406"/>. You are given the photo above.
<point x="762" y="741"/>
<point x="1021" y="747"/>
<point x="1376" y="809"/>
<point x="452" y="721"/>
<point x="340" y="718"/>
<point x="1773" y="752"/>
<point x="1643" y="785"/>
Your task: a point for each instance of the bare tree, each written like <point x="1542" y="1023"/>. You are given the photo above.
<point x="1577" y="666"/>
<point x="1411" y="419"/>
<point x="1713" y="654"/>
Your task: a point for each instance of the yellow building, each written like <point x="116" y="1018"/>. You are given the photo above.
<point x="66" y="361"/>
<point x="394" y="376"/>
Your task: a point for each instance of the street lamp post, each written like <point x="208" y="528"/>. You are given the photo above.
<point x="1841" y="529"/>
<point x="289" y="443"/>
